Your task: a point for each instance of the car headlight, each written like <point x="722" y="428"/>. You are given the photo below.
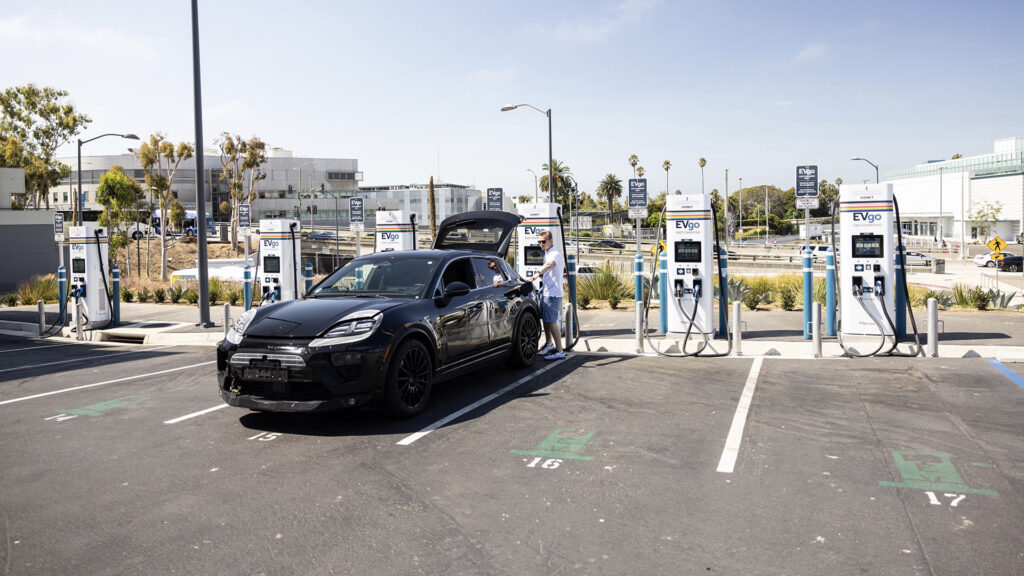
<point x="352" y="328"/>
<point x="235" y="334"/>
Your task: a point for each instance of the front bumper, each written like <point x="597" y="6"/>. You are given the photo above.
<point x="318" y="380"/>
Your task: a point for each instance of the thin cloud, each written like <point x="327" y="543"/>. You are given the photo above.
<point x="493" y="76"/>
<point x="812" y="52"/>
<point x="598" y="29"/>
<point x="94" y="43"/>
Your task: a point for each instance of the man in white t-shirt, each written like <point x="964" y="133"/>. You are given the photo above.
<point x="551" y="298"/>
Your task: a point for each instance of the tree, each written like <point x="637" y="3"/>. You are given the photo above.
<point x="827" y="195"/>
<point x="654" y="208"/>
<point x="985" y="216"/>
<point x="562" y="181"/>
<point x="176" y="214"/>
<point x="633" y="161"/>
<point x="523" y="198"/>
<point x="957" y="156"/>
<point x="702" y="163"/>
<point x="640" y="171"/>
<point x="34" y="123"/>
<point x="238" y="158"/>
<point x="117" y="193"/>
<point x="433" y="211"/>
<point x="610" y="188"/>
<point x="160" y="160"/>
<point x="666" y="165"/>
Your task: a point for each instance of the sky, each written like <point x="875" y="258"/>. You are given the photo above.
<point x="413" y="89"/>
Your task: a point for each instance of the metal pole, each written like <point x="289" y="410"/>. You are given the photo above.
<point x="808" y="270"/>
<point x="816" y="329"/>
<point x="138" y="241"/>
<point x="227" y="318"/>
<point x="663" y="293"/>
<point x="941" y="242"/>
<point x="42" y="316"/>
<point x="78" y="195"/>
<point x="725" y="208"/>
<point x="551" y="162"/>
<point x="204" y="279"/>
<point x="737" y="334"/>
<point x="741" y="210"/>
<point x="569" y="320"/>
<point x="337" y="228"/>
<point x="638" y="286"/>
<point x="78" y="319"/>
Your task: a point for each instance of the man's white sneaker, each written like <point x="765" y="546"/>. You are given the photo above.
<point x="555" y="356"/>
<point x="547" y="349"/>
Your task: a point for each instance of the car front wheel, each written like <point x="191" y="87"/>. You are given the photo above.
<point x="990" y="264"/>
<point x="136" y="235"/>
<point x="524" y="341"/>
<point x="409" y="380"/>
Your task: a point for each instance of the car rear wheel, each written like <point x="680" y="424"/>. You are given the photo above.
<point x="1013" y="268"/>
<point x="409" y="380"/>
<point x="990" y="264"/>
<point x="136" y="235"/>
<point x="524" y="341"/>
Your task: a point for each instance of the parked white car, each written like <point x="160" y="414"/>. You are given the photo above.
<point x="986" y="259"/>
<point x="138" y="230"/>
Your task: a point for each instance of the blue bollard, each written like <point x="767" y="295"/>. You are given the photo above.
<point x="247" y="287"/>
<point x="359" y="279"/>
<point x="572" y="278"/>
<point x="663" y="293"/>
<point x="900" y="303"/>
<point x="62" y="294"/>
<point x="830" y="292"/>
<point x="115" y="276"/>
<point x="570" y="329"/>
<point x="638" y="290"/>
<point x="808" y="292"/>
<point x="723" y="294"/>
<point x="309" y="277"/>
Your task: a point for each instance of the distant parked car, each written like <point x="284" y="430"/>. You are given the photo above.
<point x="918" y="259"/>
<point x="986" y="259"/>
<point x="1011" y="263"/>
<point x="606" y="243"/>
<point x="586" y="272"/>
<point x="322" y="235"/>
<point x="138" y="230"/>
<point x="817" y="250"/>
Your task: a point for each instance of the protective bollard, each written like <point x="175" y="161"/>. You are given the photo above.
<point x="42" y="317"/>
<point x="62" y="294"/>
<point x="899" y="302"/>
<point x="933" y="328"/>
<point x="737" y="334"/>
<point x="309" y="277"/>
<point x="663" y="293"/>
<point x="816" y="329"/>
<point x="723" y="292"/>
<point x="115" y="306"/>
<point x="227" y="318"/>
<point x="808" y="292"/>
<point x="569" y="328"/>
<point x="247" y="287"/>
<point x="638" y="290"/>
<point x="830" y="292"/>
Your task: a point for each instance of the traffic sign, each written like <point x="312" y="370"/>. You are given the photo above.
<point x="806" y="181"/>
<point x="638" y="193"/>
<point x="355" y="212"/>
<point x="58" y="226"/>
<point x="807" y="203"/>
<point x="998" y="255"/>
<point x="996" y="244"/>
<point x="494" y="198"/>
<point x="244" y="221"/>
<point x="638" y="212"/>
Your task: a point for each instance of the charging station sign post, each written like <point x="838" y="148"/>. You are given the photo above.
<point x="355" y="220"/>
<point x="58" y="234"/>
<point x="638" y="210"/>
<point x="807" y="195"/>
<point x="494" y="198"/>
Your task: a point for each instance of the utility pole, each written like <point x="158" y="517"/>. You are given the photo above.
<point x="725" y="209"/>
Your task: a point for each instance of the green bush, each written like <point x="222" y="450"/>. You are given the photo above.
<point x="233" y="296"/>
<point x="159" y="295"/>
<point x="127" y="294"/>
<point x="583" y="301"/>
<point x="42" y="287"/>
<point x="787" y="298"/>
<point x="613" y="301"/>
<point x="10" y="300"/>
<point x="175" y="292"/>
<point x="606" y="284"/>
<point x="191" y="295"/>
<point x="144" y="294"/>
<point x="218" y="290"/>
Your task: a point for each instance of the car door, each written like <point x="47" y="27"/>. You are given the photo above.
<point x="499" y="325"/>
<point x="462" y="322"/>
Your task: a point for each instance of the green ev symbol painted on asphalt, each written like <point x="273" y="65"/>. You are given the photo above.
<point x="99" y="409"/>
<point x="564" y="443"/>
<point x="931" y="471"/>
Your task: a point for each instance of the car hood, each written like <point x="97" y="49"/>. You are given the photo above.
<point x="308" y="318"/>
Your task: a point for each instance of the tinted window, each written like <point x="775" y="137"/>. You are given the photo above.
<point x="397" y="277"/>
<point x="460" y="270"/>
<point x="485" y="275"/>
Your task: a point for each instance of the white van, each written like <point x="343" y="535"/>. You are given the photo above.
<point x="818" y="250"/>
<point x="138" y="230"/>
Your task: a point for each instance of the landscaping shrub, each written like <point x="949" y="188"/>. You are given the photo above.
<point x="175" y="293"/>
<point x="583" y="301"/>
<point x="127" y="294"/>
<point x="233" y="296"/>
<point x="191" y="295"/>
<point x="10" y="300"/>
<point x="606" y="284"/>
<point x="144" y="295"/>
<point x="787" y="298"/>
<point x="159" y="295"/>
<point x="42" y="287"/>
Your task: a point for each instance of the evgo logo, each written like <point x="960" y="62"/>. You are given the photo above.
<point x="868" y="217"/>
<point x="687" y="224"/>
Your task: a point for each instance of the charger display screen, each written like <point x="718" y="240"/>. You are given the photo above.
<point x="688" y="251"/>
<point x="78" y="266"/>
<point x="272" y="264"/>
<point x="868" y="246"/>
<point x="533" y="255"/>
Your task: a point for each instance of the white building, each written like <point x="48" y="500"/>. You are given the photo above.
<point x="946" y="195"/>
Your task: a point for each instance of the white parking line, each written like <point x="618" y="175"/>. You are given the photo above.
<point x="88" y="359"/>
<point x="416" y="436"/>
<point x="739" y="420"/>
<point x="35" y="348"/>
<point x="125" y="379"/>
<point x="194" y="414"/>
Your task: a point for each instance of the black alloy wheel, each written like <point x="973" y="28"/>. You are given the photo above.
<point x="524" y="341"/>
<point x="409" y="380"/>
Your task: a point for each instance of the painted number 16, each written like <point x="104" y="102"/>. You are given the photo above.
<point x="550" y="463"/>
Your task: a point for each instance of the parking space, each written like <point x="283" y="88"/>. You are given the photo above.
<point x="599" y="464"/>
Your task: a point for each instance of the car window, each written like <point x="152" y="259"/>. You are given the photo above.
<point x="484" y="274"/>
<point x="405" y="277"/>
<point x="460" y="270"/>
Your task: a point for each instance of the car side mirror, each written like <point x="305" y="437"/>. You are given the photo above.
<point x="450" y="291"/>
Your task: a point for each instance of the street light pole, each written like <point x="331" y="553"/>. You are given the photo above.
<point x="535" y="185"/>
<point x="869" y="162"/>
<point x="741" y="210"/>
<point x="551" y="158"/>
<point x="78" y="217"/>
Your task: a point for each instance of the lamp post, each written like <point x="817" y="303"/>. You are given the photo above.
<point x="337" y="228"/>
<point x="551" y="158"/>
<point x="299" y="168"/>
<point x="741" y="210"/>
<point x="869" y="162"/>
<point x="536" y="186"/>
<point x="766" y="218"/>
<point x="78" y="218"/>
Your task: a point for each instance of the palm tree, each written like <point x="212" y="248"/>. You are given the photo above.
<point x="610" y="188"/>
<point x="640" y="171"/>
<point x="633" y="161"/>
<point x="666" y="165"/>
<point x="562" y="180"/>
<point x="702" y="163"/>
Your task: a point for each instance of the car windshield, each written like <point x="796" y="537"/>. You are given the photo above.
<point x="387" y="277"/>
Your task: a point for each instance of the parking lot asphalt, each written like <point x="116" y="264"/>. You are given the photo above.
<point x="123" y="460"/>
